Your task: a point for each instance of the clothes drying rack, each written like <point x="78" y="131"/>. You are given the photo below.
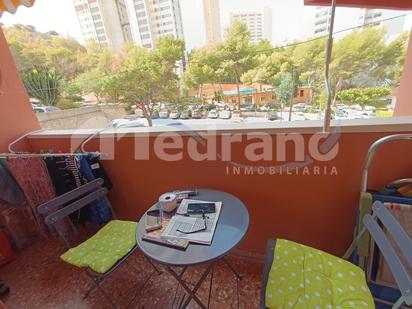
<point x="46" y="155"/>
<point x="81" y="151"/>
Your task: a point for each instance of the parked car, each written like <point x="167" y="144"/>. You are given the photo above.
<point x="155" y="115"/>
<point x="247" y="107"/>
<point x="164" y="114"/>
<point x="299" y="116"/>
<point x="186" y="114"/>
<point x="212" y="114"/>
<point x="225" y="114"/>
<point x="356" y="107"/>
<point x="353" y="114"/>
<point x="299" y="107"/>
<point x="274" y="106"/>
<point x="368" y="114"/>
<point x="273" y="116"/>
<point x="174" y="115"/>
<point x="208" y="107"/>
<point x="197" y="114"/>
<point x="125" y="123"/>
<point x="45" y="109"/>
<point x="341" y="114"/>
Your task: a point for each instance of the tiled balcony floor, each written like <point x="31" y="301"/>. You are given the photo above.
<point x="39" y="279"/>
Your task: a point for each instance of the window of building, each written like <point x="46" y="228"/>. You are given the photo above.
<point x="144" y="29"/>
<point x="139" y="6"/>
<point x="94" y="10"/>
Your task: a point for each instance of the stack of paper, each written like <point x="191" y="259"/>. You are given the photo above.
<point x="189" y="223"/>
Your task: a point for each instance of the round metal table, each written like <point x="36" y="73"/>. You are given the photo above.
<point x="231" y="228"/>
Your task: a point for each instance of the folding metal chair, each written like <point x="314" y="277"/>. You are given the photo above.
<point x="376" y="224"/>
<point x="66" y="204"/>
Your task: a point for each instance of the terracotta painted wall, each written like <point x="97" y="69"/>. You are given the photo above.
<point x="315" y="210"/>
<point x="17" y="115"/>
<point x="404" y="101"/>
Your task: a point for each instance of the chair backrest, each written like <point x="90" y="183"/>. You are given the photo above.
<point x="402" y="240"/>
<point x="72" y="202"/>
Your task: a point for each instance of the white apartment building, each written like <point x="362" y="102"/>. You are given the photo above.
<point x="322" y="20"/>
<point x="104" y="21"/>
<point x="346" y="18"/>
<point x="151" y="19"/>
<point x="388" y="19"/>
<point x="259" y="24"/>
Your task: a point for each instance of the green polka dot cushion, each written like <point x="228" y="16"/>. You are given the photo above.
<point x="105" y="248"/>
<point x="303" y="277"/>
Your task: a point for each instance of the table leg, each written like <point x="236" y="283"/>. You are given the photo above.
<point x="232" y="268"/>
<point x="192" y="293"/>
<point x="210" y="287"/>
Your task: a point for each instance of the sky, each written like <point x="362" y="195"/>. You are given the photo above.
<point x="291" y="20"/>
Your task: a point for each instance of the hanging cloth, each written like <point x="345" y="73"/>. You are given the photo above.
<point x="62" y="178"/>
<point x="32" y="176"/>
<point x="98" y="171"/>
<point x="65" y="176"/>
<point x="10" y="192"/>
<point x="99" y="211"/>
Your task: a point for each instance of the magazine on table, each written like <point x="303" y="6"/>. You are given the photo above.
<point x="190" y="226"/>
<point x="156" y="237"/>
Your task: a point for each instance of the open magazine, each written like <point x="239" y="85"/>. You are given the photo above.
<point x="156" y="237"/>
<point x="181" y="221"/>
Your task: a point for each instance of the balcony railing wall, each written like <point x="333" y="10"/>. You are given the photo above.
<point x="318" y="210"/>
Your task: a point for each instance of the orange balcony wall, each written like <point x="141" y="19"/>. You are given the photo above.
<point x="318" y="210"/>
<point x="16" y="116"/>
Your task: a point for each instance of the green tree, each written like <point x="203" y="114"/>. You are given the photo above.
<point x="91" y="82"/>
<point x="309" y="59"/>
<point x="149" y="77"/>
<point x="199" y="72"/>
<point x="236" y="54"/>
<point x="362" y="96"/>
<point x="42" y="84"/>
<point x="357" y="59"/>
<point x="283" y="86"/>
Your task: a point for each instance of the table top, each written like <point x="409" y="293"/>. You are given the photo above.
<point x="231" y="227"/>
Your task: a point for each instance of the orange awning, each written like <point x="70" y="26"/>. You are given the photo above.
<point x="12" y="5"/>
<point x="383" y="4"/>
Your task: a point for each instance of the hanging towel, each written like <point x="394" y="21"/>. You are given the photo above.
<point x="10" y="192"/>
<point x="99" y="211"/>
<point x="32" y="176"/>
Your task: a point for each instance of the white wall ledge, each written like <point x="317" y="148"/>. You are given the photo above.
<point x="390" y="124"/>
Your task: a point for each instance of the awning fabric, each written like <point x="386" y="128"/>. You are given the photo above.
<point x="12" y="5"/>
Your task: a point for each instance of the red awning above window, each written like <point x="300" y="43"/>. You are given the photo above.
<point x="383" y="4"/>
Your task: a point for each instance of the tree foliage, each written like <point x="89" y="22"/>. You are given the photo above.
<point x="149" y="77"/>
<point x="361" y="59"/>
<point x="362" y="96"/>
